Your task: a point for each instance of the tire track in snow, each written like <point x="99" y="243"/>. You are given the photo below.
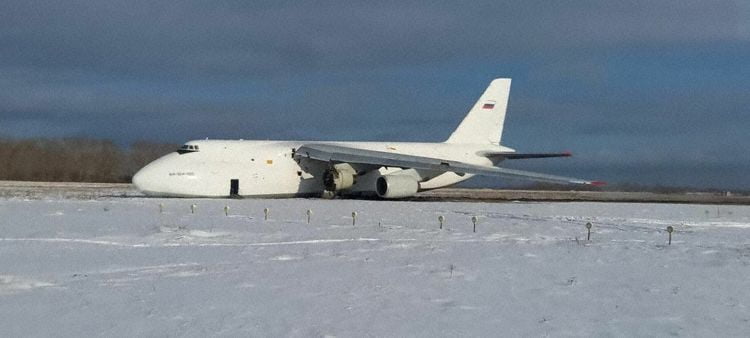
<point x="72" y="240"/>
<point x="485" y="239"/>
<point x="145" y="245"/>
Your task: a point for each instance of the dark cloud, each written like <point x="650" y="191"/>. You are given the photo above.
<point x="637" y="84"/>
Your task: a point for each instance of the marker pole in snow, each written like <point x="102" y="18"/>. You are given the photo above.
<point x="354" y="218"/>
<point x="474" y="220"/>
<point x="588" y="230"/>
<point x="441" y="219"/>
<point x="266" y="211"/>
<point x="309" y="214"/>
<point x="670" y="229"/>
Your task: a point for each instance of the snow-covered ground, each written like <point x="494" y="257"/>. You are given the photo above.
<point x="119" y="267"/>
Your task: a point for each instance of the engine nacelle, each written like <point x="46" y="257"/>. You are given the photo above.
<point x="339" y="177"/>
<point x="396" y="186"/>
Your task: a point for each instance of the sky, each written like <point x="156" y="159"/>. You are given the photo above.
<point x="644" y="92"/>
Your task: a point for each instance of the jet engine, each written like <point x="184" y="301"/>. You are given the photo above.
<point x="396" y="186"/>
<point x="339" y="177"/>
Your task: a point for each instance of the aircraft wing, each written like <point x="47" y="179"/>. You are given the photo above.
<point x="341" y="154"/>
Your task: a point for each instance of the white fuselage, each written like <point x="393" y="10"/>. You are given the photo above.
<point x="221" y="168"/>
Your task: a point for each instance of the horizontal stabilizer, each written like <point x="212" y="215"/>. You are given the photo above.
<point x="520" y="156"/>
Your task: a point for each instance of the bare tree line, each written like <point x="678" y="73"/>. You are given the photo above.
<point x="75" y="159"/>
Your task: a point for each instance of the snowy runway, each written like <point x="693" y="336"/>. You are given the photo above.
<point x="119" y="267"/>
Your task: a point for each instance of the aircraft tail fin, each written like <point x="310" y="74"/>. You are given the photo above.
<point x="484" y="122"/>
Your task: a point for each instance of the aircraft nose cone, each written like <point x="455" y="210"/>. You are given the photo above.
<point x="142" y="180"/>
<point x="138" y="179"/>
<point x="155" y="179"/>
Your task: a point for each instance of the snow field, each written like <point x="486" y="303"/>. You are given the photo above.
<point x="119" y="267"/>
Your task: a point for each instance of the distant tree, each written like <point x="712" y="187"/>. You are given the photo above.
<point x="75" y="159"/>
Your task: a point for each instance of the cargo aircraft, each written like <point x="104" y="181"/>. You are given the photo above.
<point x="241" y="168"/>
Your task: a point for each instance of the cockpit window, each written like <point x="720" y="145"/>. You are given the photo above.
<point x="187" y="148"/>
